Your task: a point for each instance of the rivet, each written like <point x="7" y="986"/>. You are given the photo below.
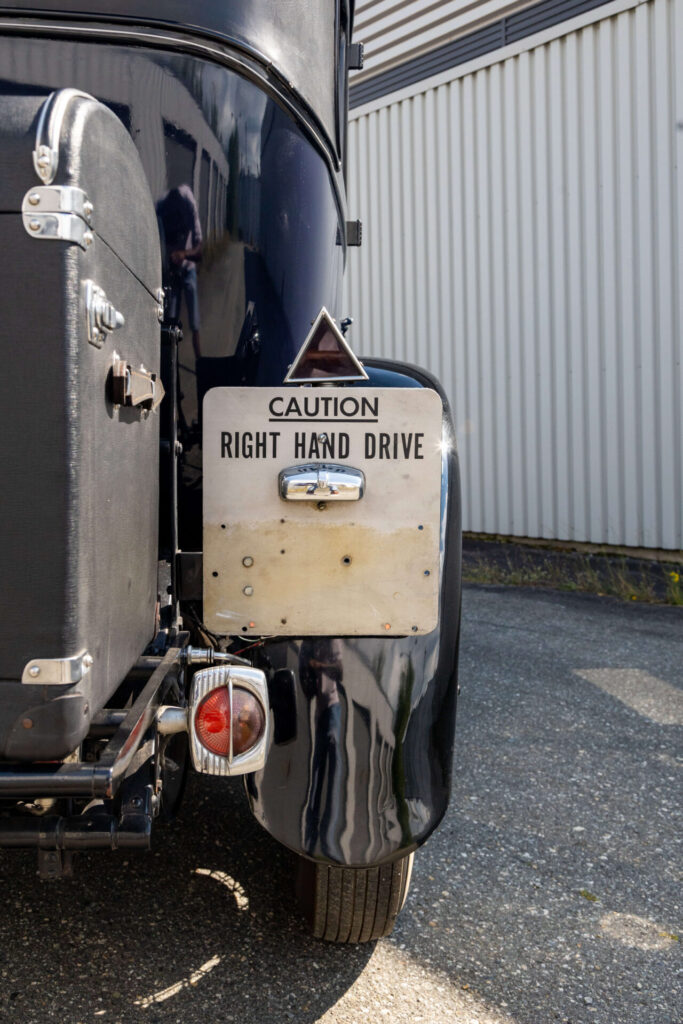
<point x="44" y="160"/>
<point x="34" y="671"/>
<point x="87" y="238"/>
<point x="27" y="723"/>
<point x="248" y="561"/>
<point x="34" y="199"/>
<point x="34" y="225"/>
<point x="414" y="629"/>
<point x="88" y="661"/>
<point x="321" y="506"/>
<point x="87" y="208"/>
<point x="248" y="591"/>
<point x="322" y="437"/>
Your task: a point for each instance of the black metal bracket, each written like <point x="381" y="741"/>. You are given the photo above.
<point x="355" y="56"/>
<point x="189" y="575"/>
<point x="354" y="232"/>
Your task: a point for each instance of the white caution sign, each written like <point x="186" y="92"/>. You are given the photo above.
<point x="322" y="510"/>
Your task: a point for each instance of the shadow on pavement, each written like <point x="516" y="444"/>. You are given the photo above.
<point x="203" y="928"/>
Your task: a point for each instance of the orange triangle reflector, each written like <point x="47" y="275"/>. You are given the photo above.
<point x="325" y="356"/>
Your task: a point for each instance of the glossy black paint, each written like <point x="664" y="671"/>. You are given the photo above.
<point x="297" y="41"/>
<point x="243" y="191"/>
<point x="362" y="771"/>
<point x="253" y="197"/>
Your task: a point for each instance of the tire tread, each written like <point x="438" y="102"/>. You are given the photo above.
<point x="353" y="905"/>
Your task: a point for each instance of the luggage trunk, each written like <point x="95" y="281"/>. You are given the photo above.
<point x="80" y="436"/>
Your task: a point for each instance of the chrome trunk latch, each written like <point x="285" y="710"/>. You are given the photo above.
<point x="102" y="317"/>
<point x="321" y="480"/>
<point x="138" y="388"/>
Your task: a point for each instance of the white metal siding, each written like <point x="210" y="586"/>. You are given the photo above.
<point x="522" y="238"/>
<point x="393" y="31"/>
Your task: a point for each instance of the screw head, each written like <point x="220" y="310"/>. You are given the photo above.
<point x="34" y="671"/>
<point x="34" y="225"/>
<point x="88" y="661"/>
<point x="321" y="506"/>
<point x="34" y="199"/>
<point x="248" y="561"/>
<point x="248" y="591"/>
<point x="87" y="239"/>
<point x="322" y="437"/>
<point x="87" y="208"/>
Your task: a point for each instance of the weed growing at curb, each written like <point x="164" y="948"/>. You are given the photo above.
<point x="618" y="576"/>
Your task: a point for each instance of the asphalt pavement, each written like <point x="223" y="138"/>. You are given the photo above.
<point x="551" y="892"/>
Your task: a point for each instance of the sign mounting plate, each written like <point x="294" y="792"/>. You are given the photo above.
<point x="322" y="567"/>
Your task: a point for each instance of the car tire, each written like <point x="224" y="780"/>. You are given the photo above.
<point x="353" y="904"/>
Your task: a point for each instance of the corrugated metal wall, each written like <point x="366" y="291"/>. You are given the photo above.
<point x="393" y="31"/>
<point x="522" y="238"/>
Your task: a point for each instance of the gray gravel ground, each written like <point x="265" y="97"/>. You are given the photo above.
<point x="550" y="893"/>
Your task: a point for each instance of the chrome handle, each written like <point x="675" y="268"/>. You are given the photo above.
<point x="321" y="480"/>
<point x="48" y="132"/>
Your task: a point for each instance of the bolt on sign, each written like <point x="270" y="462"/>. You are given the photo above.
<point x="322" y="510"/>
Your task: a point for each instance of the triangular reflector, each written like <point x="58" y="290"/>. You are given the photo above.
<point x="325" y="355"/>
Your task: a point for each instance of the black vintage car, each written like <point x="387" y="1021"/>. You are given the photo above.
<point x="226" y="541"/>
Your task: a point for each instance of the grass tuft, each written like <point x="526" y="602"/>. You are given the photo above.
<point x="613" y="576"/>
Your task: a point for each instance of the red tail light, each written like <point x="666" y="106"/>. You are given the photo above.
<point x="215" y="719"/>
<point x="229" y="717"/>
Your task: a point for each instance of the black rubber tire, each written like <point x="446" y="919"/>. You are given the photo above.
<point x="353" y="904"/>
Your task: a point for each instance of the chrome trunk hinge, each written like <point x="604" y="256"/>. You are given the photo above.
<point x="62" y="212"/>
<point x="58" y="211"/>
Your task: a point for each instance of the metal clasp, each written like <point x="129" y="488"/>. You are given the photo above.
<point x="58" y="211"/>
<point x="320" y="480"/>
<point x="132" y="387"/>
<point x="57" y="671"/>
<point x="102" y="316"/>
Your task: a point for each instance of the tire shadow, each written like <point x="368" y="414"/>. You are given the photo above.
<point x="205" y="927"/>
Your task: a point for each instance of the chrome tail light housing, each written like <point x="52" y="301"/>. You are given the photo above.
<point x="229" y="720"/>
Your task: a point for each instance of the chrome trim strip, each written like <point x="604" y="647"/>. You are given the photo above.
<point x="217" y="52"/>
